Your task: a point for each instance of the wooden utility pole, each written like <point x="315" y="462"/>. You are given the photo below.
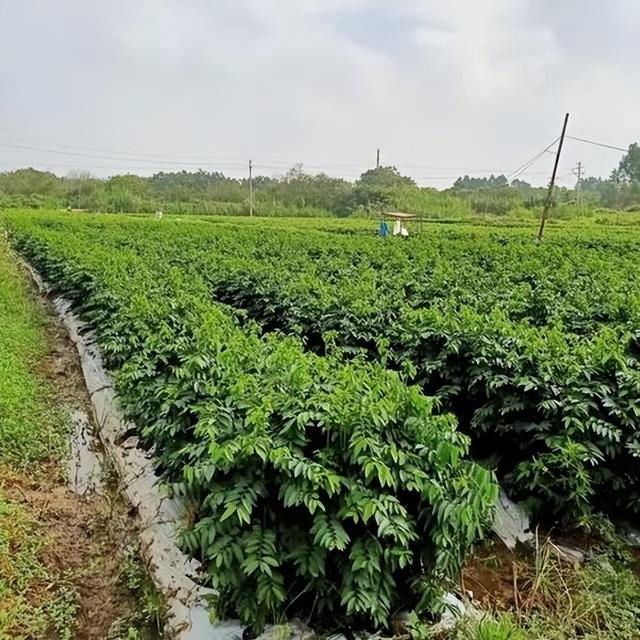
<point x="250" y="188"/>
<point x="578" y="171"/>
<point x="549" y="200"/>
<point x="378" y="159"/>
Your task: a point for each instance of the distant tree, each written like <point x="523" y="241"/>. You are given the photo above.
<point x="622" y="190"/>
<point x="379" y="188"/>
<point x="628" y="171"/>
<point x="29" y="182"/>
<point x="490" y="194"/>
<point x="196" y="187"/>
<point x="295" y="173"/>
<point x="83" y="190"/>
<point x="299" y="189"/>
<point x="126" y="192"/>
<point x="492" y="182"/>
<point x="384" y="177"/>
<point x="521" y="185"/>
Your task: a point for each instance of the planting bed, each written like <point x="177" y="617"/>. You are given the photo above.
<point x="315" y="395"/>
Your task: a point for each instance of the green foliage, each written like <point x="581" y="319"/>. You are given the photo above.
<point x="33" y="602"/>
<point x="560" y="600"/>
<point x="146" y="621"/>
<point x="30" y="182"/>
<point x="297" y="190"/>
<point x="298" y="193"/>
<point x="597" y="601"/>
<point x="318" y="486"/>
<point x="377" y="187"/>
<point x="295" y="193"/>
<point x="628" y="170"/>
<point x="501" y="629"/>
<point x="532" y="347"/>
<point x="492" y="182"/>
<point x="29" y="426"/>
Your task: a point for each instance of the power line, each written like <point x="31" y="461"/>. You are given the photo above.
<point x="150" y="161"/>
<point x="26" y="142"/>
<point x="107" y="157"/>
<point x="598" y="144"/>
<point x="74" y="150"/>
<point x="199" y="160"/>
<point x="522" y="168"/>
<point x="153" y="161"/>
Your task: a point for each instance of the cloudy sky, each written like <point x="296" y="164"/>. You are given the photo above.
<point x="443" y="87"/>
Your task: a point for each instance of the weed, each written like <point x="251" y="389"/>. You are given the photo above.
<point x="29" y="422"/>
<point x="556" y="600"/>
<point x="146" y="621"/>
<point x="32" y="602"/>
<point x="502" y="628"/>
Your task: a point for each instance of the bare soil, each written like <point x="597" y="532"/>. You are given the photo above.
<point x="87" y="539"/>
<point x="489" y="574"/>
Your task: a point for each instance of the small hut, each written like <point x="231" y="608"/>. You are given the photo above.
<point x="399" y="218"/>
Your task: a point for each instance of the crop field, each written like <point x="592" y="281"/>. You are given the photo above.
<point x="338" y="409"/>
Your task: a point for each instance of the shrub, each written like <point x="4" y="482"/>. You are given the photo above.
<point x="316" y="485"/>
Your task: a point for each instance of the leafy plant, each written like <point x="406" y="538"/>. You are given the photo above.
<point x="318" y="486"/>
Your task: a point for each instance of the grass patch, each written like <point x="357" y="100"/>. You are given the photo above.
<point x="29" y="606"/>
<point x="48" y="580"/>
<point x="29" y="422"/>
<point x="560" y="601"/>
<point x="34" y="603"/>
<point x="146" y="622"/>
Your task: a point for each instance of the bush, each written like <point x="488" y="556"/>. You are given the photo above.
<point x="316" y="486"/>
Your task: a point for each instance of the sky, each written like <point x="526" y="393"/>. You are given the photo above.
<point x="441" y="87"/>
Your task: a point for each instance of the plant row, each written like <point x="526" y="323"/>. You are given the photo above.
<point x="534" y="348"/>
<point x="317" y="485"/>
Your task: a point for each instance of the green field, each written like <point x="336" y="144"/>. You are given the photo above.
<point x="30" y="432"/>
<point x="29" y="428"/>
<point x="318" y="393"/>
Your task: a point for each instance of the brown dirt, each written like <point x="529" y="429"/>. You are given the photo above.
<point x="89" y="535"/>
<point x="61" y="366"/>
<point x="489" y="574"/>
<point x="87" y="541"/>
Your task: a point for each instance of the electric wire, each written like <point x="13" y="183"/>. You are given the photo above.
<point x="597" y="144"/>
<point x="522" y="168"/>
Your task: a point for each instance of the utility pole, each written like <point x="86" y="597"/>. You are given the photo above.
<point x="549" y="200"/>
<point x="378" y="159"/>
<point x="250" y="188"/>
<point x="578" y="171"/>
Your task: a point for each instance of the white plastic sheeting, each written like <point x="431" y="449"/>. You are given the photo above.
<point x="158" y="516"/>
<point x="84" y="466"/>
<point x="511" y="522"/>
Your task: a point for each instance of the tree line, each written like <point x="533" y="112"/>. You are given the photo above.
<point x="301" y="193"/>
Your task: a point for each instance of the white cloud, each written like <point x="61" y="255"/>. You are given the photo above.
<point x="439" y="84"/>
<point x="492" y="47"/>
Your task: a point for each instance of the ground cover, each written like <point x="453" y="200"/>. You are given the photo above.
<point x="68" y="563"/>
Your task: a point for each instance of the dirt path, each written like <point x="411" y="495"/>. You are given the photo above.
<point x="83" y="578"/>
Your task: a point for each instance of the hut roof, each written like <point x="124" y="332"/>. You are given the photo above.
<point x="399" y="215"/>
